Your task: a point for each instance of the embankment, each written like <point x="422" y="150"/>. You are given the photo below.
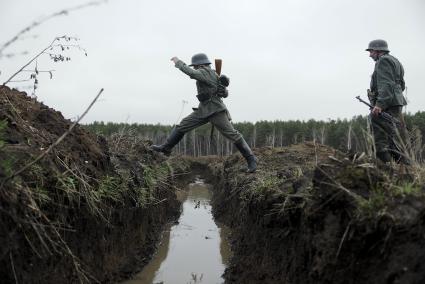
<point x="88" y="211"/>
<point x="93" y="210"/>
<point x="312" y="215"/>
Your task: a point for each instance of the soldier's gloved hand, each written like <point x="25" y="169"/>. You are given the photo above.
<point x="376" y="110"/>
<point x="174" y="59"/>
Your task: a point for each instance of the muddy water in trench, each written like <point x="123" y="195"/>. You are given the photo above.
<point x="193" y="251"/>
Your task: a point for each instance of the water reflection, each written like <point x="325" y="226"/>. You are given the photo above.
<point x="193" y="251"/>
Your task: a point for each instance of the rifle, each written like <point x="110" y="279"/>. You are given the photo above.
<point x="385" y="115"/>
<point x="218" y="63"/>
<point x="395" y="149"/>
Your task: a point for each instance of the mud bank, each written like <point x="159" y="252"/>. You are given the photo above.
<point x="312" y="215"/>
<point x="91" y="210"/>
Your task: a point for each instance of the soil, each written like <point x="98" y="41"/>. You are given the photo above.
<point x="90" y="211"/>
<point x="313" y="215"/>
<point x="93" y="209"/>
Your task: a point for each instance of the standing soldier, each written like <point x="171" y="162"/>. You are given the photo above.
<point x="211" y="109"/>
<point x="386" y="95"/>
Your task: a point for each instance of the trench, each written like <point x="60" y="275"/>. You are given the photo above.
<point x="193" y="250"/>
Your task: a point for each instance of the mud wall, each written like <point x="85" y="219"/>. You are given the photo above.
<point x="90" y="211"/>
<point x="307" y="218"/>
<point x="105" y="251"/>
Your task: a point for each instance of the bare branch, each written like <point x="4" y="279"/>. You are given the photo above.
<point x="45" y="19"/>
<point x="29" y="62"/>
<point x="53" y="56"/>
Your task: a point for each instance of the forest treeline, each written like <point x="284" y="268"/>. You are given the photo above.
<point x="342" y="134"/>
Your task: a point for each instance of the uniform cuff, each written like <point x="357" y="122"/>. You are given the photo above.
<point x="380" y="105"/>
<point x="179" y="64"/>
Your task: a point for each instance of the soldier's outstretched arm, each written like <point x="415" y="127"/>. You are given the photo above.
<point x="192" y="73"/>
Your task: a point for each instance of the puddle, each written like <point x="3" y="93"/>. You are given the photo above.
<point x="193" y="251"/>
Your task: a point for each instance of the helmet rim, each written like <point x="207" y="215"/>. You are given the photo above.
<point x="378" y="45"/>
<point x="200" y="59"/>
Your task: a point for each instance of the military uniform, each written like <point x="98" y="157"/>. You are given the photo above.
<point x="211" y="109"/>
<point x="387" y="86"/>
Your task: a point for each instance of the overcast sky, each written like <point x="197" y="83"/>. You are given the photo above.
<point x="286" y="59"/>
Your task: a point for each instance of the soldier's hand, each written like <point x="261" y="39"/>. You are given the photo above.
<point x="174" y="59"/>
<point x="376" y="110"/>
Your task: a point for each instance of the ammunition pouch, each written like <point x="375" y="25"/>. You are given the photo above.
<point x="223" y="83"/>
<point x="222" y="91"/>
<point x="224" y="80"/>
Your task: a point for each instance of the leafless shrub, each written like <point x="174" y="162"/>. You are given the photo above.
<point x="57" y="52"/>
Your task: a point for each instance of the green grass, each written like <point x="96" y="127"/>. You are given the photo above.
<point x="41" y="195"/>
<point x="384" y="196"/>
<point x="406" y="189"/>
<point x="3" y="125"/>
<point x="266" y="183"/>
<point x="6" y="164"/>
<point x="375" y="205"/>
<point x="111" y="188"/>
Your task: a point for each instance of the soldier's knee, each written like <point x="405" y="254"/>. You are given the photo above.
<point x="232" y="135"/>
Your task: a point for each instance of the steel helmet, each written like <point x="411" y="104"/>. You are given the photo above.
<point x="200" y="59"/>
<point x="379" y="45"/>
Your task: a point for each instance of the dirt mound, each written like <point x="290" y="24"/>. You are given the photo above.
<point x="313" y="215"/>
<point x="89" y="211"/>
<point x="32" y="127"/>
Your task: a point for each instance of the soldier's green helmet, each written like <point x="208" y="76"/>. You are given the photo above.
<point x="379" y="45"/>
<point x="200" y="59"/>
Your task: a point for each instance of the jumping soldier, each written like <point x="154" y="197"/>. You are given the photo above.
<point x="211" y="109"/>
<point x="386" y="95"/>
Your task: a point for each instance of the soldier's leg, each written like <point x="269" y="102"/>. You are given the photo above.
<point x="382" y="135"/>
<point x="188" y="123"/>
<point x="222" y="123"/>
<point x="401" y="140"/>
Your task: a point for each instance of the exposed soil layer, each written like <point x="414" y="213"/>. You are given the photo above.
<point x="312" y="215"/>
<point x="91" y="210"/>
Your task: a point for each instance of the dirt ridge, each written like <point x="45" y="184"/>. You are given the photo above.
<point x="91" y="210"/>
<point x="313" y="215"/>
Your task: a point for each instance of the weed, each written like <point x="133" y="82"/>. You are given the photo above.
<point x="6" y="164"/>
<point x="6" y="167"/>
<point x="266" y="183"/>
<point x="375" y="205"/>
<point x="149" y="178"/>
<point x="260" y="188"/>
<point x="384" y="196"/>
<point x="3" y="125"/>
<point x="406" y="189"/>
<point x="110" y="188"/>
<point x="41" y="194"/>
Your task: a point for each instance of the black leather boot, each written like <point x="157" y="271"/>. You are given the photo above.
<point x="172" y="140"/>
<point x="247" y="153"/>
